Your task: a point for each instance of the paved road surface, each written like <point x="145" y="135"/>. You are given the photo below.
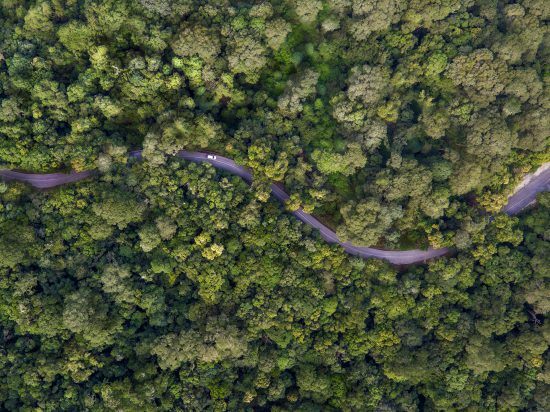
<point x="540" y="182"/>
<point x="517" y="202"/>
<point x="45" y="181"/>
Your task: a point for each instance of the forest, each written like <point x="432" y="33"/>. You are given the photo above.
<point x="167" y="285"/>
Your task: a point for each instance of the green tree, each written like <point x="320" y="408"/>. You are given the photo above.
<point x="120" y="209"/>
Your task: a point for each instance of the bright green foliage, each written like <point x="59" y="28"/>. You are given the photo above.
<point x="119" y="209"/>
<point x="164" y="286"/>
<point x="332" y="91"/>
<point x="200" y="295"/>
<point x="364" y="222"/>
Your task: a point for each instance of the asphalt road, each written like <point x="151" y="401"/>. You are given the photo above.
<point x="540" y="182"/>
<point x="45" y="181"/>
<point x="522" y="198"/>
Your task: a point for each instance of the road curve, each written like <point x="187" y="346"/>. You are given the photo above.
<point x="538" y="182"/>
<point x="523" y="197"/>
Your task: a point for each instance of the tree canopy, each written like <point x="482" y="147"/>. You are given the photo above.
<point x="163" y="285"/>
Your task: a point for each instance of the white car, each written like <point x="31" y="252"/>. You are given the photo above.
<point x="212" y="157"/>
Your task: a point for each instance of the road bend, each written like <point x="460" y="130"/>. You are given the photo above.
<point x="538" y="182"/>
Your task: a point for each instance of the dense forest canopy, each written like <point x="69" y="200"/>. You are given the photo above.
<point x="175" y="289"/>
<point x="167" y="285"/>
<point x="397" y="108"/>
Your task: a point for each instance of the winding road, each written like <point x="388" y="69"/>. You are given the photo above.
<point x="538" y="182"/>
